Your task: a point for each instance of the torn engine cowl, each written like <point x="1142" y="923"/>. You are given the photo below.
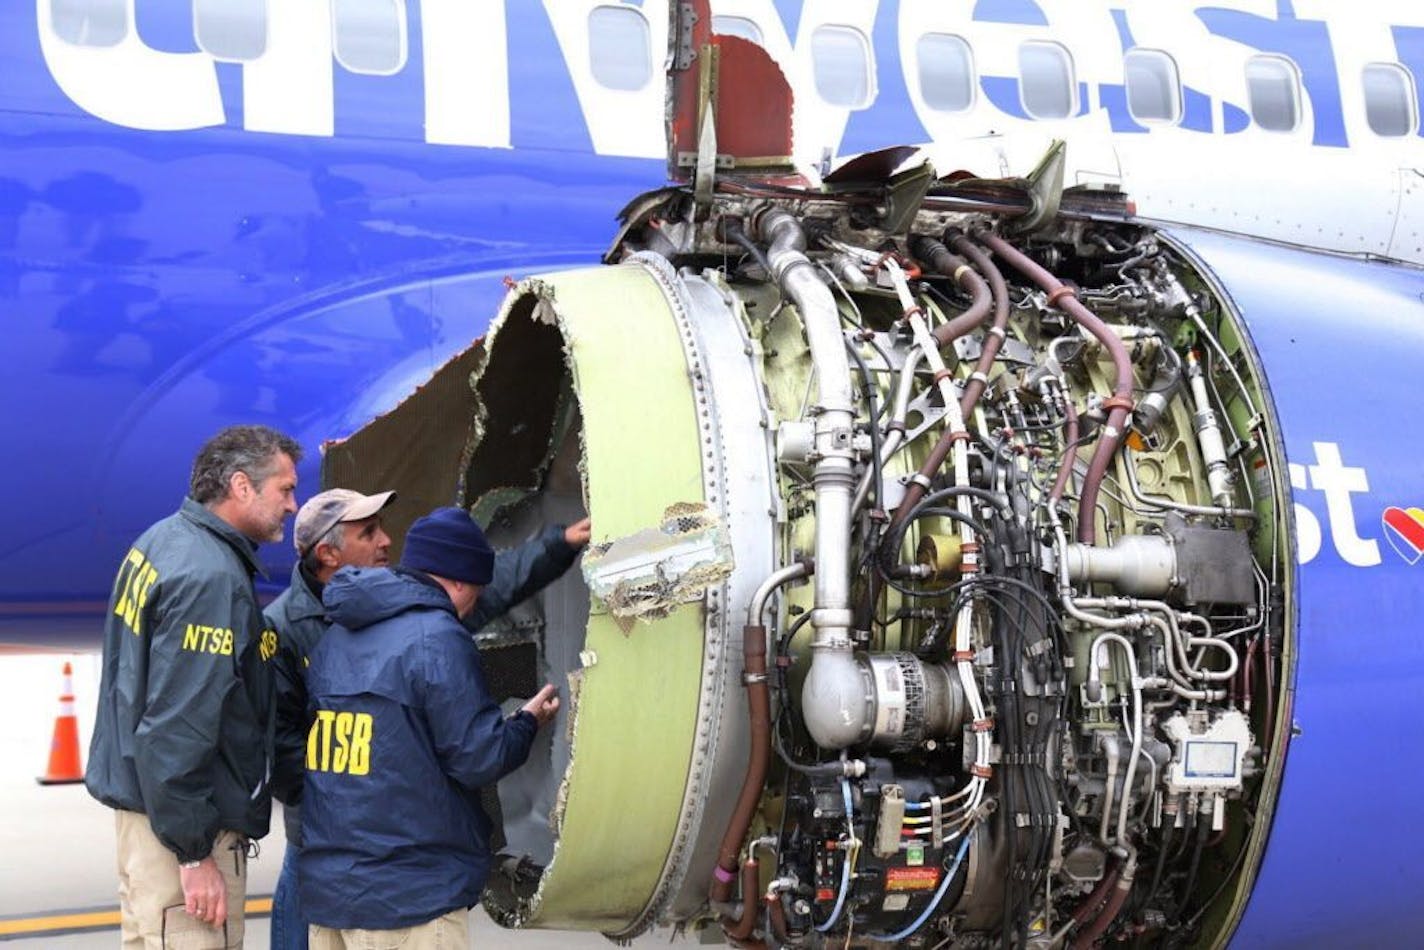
<point x="1003" y="516"/>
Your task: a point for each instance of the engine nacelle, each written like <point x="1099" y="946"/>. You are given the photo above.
<point x="992" y="530"/>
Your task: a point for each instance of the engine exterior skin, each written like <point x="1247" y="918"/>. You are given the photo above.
<point x="1340" y="862"/>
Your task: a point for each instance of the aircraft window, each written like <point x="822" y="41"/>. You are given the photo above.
<point x="737" y="26"/>
<point x="90" y="22"/>
<point x="370" y="35"/>
<point x="619" y="45"/>
<point x="231" y="30"/>
<point x="946" y="72"/>
<point x="840" y="60"/>
<point x="1154" y="89"/>
<point x="1273" y="87"/>
<point x="1047" y="86"/>
<point x="1390" y="103"/>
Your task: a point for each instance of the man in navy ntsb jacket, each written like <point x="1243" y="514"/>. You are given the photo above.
<point x="403" y="736"/>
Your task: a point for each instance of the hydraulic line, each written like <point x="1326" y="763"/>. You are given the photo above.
<point x="937" y="256"/>
<point x="1120" y="838"/>
<point x="1119" y="405"/>
<point x="934" y="253"/>
<point x="1070" y="452"/>
<point x="994" y="337"/>
<point x="969" y="544"/>
<point x="754" y="647"/>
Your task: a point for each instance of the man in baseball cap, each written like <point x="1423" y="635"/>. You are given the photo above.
<point x="335" y="529"/>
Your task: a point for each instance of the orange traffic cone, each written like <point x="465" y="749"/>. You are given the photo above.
<point x="64" y="767"/>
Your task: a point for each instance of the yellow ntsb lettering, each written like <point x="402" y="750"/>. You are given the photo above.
<point x="267" y="645"/>
<point x="200" y="638"/>
<point x="340" y="742"/>
<point x="136" y="578"/>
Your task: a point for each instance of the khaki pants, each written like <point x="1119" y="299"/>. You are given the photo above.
<point x="151" y="893"/>
<point x="450" y="932"/>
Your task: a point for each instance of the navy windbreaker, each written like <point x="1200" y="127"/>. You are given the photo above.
<point x="403" y="734"/>
<point x="183" y="731"/>
<point x="299" y="617"/>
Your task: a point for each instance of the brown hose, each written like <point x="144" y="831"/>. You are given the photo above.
<point x="937" y="256"/>
<point x="741" y="928"/>
<point x="759" y="708"/>
<point x="1095" y="898"/>
<point x="1063" y="296"/>
<point x="1109" y="913"/>
<point x="1070" y="453"/>
<point x="777" y="915"/>
<point x="939" y="259"/>
<point x="999" y="290"/>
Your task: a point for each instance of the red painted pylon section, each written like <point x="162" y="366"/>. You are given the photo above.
<point x="64" y="767"/>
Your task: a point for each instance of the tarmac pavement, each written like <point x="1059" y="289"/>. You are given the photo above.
<point x="57" y="843"/>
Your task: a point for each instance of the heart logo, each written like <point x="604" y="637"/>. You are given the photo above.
<point x="1404" y="527"/>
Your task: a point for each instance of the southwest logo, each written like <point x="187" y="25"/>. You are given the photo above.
<point x="1404" y="527"/>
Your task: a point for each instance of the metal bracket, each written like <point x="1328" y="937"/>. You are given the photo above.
<point x="904" y="194"/>
<point x="1045" y="188"/>
<point x="684" y="19"/>
<point x="706" y="172"/>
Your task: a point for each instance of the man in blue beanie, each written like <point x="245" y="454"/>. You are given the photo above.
<point x="404" y="735"/>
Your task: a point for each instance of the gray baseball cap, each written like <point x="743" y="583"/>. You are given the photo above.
<point x="330" y="508"/>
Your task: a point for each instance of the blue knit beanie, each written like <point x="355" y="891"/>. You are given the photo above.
<point x="448" y="543"/>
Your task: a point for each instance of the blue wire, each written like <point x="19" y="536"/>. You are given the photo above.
<point x="845" y="865"/>
<point x="939" y="895"/>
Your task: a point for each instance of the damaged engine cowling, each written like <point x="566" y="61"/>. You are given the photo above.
<point x="936" y="593"/>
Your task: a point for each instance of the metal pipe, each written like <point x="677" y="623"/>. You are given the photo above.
<point x="1114" y="754"/>
<point x="1136" y="681"/>
<point x="773" y="581"/>
<point x="1070" y="451"/>
<point x="1213" y="448"/>
<point x="833" y="702"/>
<point x="1167" y="504"/>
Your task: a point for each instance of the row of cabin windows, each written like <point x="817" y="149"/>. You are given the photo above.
<point x="370" y="38"/>
<point x="842" y="65"/>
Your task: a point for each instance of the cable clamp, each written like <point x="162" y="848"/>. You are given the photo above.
<point x="982" y="725"/>
<point x="936" y="821"/>
<point x="1064" y="290"/>
<point x="981" y="771"/>
<point x="921" y="479"/>
<point x="962" y="268"/>
<point x="958" y="435"/>
<point x="998" y="331"/>
<point x="962" y="656"/>
<point x="912" y="312"/>
<point x="982" y="377"/>
<point x="1117" y="402"/>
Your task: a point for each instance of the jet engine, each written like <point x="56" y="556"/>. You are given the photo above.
<point x="938" y="593"/>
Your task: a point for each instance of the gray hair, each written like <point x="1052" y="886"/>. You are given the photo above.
<point x="252" y="450"/>
<point x="335" y="536"/>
